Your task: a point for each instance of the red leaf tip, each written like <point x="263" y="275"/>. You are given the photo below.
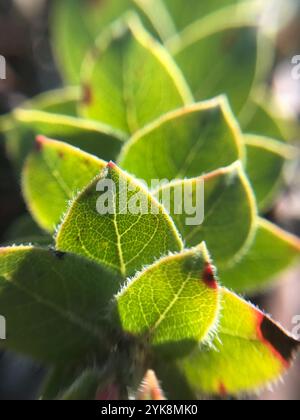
<point x="209" y="276"/>
<point x="39" y="142"/>
<point x="111" y="165"/>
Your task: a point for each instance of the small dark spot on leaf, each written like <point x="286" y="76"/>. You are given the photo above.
<point x="87" y="95"/>
<point x="58" y="254"/>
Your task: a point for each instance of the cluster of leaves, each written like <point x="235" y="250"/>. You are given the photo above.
<point x="118" y="294"/>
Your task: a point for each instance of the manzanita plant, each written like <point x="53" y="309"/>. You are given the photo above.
<point x="124" y="301"/>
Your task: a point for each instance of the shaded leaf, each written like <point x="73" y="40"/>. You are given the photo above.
<point x="172" y="304"/>
<point x="116" y="222"/>
<point x="130" y="79"/>
<point x="272" y="252"/>
<point x="24" y="230"/>
<point x="62" y="172"/>
<point x="223" y="214"/>
<point x="186" y="143"/>
<point x="250" y="352"/>
<point x="183" y="14"/>
<point x="265" y="162"/>
<point x="55" y="304"/>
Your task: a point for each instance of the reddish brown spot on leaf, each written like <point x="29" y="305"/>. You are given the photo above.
<point x="39" y="142"/>
<point x="281" y="344"/>
<point x="87" y="95"/>
<point x="222" y="390"/>
<point x="209" y="276"/>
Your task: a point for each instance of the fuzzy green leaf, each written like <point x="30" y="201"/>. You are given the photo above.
<point x="227" y="206"/>
<point x="173" y="304"/>
<point x="53" y="175"/>
<point x="265" y="162"/>
<point x="55" y="305"/>
<point x="272" y="252"/>
<point x="130" y="79"/>
<point x="134" y="231"/>
<point x="186" y="143"/>
<point x="249" y="352"/>
<point x="210" y="51"/>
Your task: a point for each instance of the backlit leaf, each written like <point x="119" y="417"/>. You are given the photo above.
<point x="172" y="304"/>
<point x="62" y="171"/>
<point x="209" y="53"/>
<point x="116" y="222"/>
<point x="223" y="215"/>
<point x="272" y="252"/>
<point x="186" y="143"/>
<point x="249" y="352"/>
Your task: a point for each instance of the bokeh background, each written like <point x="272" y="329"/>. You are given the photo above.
<point x="31" y="69"/>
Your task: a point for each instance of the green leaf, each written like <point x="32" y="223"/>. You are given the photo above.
<point x="272" y="252"/>
<point x="173" y="304"/>
<point x="129" y="79"/>
<point x="92" y="137"/>
<point x="24" y="230"/>
<point x="265" y="163"/>
<point x="210" y="51"/>
<point x="250" y="352"/>
<point x="183" y="14"/>
<point x="53" y="175"/>
<point x="59" y="101"/>
<point x="261" y="122"/>
<point x="223" y="215"/>
<point x="55" y="305"/>
<point x="186" y="143"/>
<point x="117" y="223"/>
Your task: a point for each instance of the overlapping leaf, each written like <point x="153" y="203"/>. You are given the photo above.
<point x="185" y="143"/>
<point x="62" y="171"/>
<point x="210" y="51"/>
<point x="249" y="352"/>
<point x="55" y="305"/>
<point x="272" y="252"/>
<point x="265" y="162"/>
<point x="94" y="138"/>
<point x="130" y="79"/>
<point x="117" y="223"/>
<point x="172" y="304"/>
<point x="218" y="208"/>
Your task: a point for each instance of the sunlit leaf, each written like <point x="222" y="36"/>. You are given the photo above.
<point x="130" y="79"/>
<point x="186" y="143"/>
<point x="249" y="352"/>
<point x="172" y="304"/>
<point x="272" y="252"/>
<point x="63" y="171"/>
<point x="116" y="222"/>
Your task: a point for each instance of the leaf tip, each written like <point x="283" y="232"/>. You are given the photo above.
<point x="87" y="96"/>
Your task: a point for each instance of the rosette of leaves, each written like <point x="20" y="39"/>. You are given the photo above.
<point x="138" y="289"/>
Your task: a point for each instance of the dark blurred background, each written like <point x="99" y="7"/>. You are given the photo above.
<point x="24" y="42"/>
